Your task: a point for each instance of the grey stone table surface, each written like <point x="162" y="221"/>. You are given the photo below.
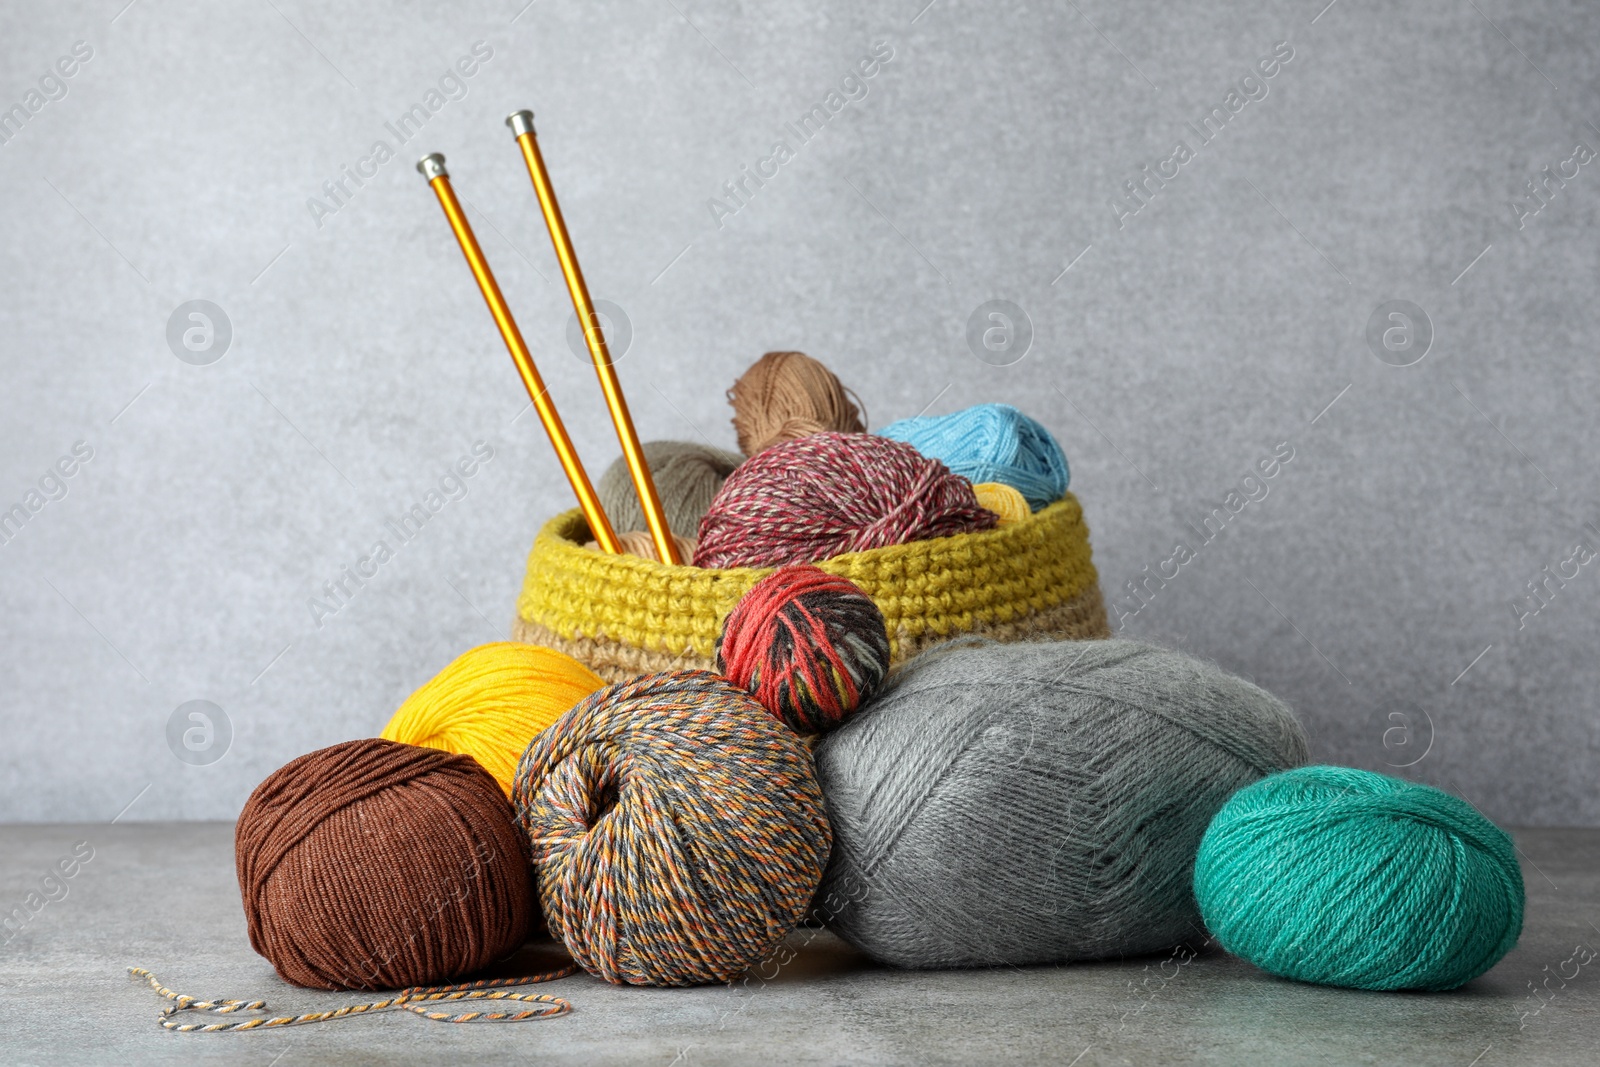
<point x="163" y="896"/>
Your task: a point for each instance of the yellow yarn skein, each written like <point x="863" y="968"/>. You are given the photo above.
<point x="490" y="702"/>
<point x="1004" y="500"/>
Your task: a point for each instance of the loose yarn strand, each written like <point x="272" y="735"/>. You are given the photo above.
<point x="412" y="1000"/>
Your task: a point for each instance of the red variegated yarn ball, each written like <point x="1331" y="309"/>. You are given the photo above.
<point x="810" y="646"/>
<point x="819" y="496"/>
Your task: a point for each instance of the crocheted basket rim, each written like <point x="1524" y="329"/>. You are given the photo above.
<point x="626" y="615"/>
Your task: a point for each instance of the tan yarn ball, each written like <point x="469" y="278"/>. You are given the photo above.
<point x="786" y="395"/>
<point x="640" y="543"/>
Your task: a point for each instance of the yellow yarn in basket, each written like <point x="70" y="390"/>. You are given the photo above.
<point x="1004" y="500"/>
<point x="625" y="616"/>
<point x="490" y="702"/>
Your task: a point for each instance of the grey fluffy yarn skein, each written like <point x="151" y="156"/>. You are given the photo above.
<point x="687" y="476"/>
<point x="1037" y="802"/>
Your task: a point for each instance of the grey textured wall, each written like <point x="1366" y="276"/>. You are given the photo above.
<point x="1177" y="339"/>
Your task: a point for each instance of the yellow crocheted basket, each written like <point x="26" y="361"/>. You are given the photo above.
<point x="625" y="616"/>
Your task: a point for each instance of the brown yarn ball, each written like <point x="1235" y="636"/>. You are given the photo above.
<point x="377" y="865"/>
<point x="785" y="395"/>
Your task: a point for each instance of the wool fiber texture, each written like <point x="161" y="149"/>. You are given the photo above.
<point x="642" y="543"/>
<point x="678" y="830"/>
<point x="820" y="496"/>
<point x="1037" y="802"/>
<point x="377" y="865"/>
<point x="788" y="395"/>
<point x="490" y="701"/>
<point x="624" y="616"/>
<point x="1008" y="503"/>
<point x="687" y="476"/>
<point x="809" y="645"/>
<point x="1349" y="878"/>
<point x="991" y="443"/>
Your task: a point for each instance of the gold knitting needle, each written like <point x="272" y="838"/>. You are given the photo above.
<point x="431" y="167"/>
<point x="521" y="123"/>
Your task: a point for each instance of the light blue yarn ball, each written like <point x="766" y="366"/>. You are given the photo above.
<point x="991" y="443"/>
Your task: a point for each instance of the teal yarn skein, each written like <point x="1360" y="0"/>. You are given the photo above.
<point x="1348" y="878"/>
<point x="991" y="443"/>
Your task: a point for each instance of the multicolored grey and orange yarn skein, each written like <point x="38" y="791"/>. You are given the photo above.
<point x="678" y="830"/>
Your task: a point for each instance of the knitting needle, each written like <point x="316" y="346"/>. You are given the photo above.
<point x="432" y="168"/>
<point x="521" y="123"/>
